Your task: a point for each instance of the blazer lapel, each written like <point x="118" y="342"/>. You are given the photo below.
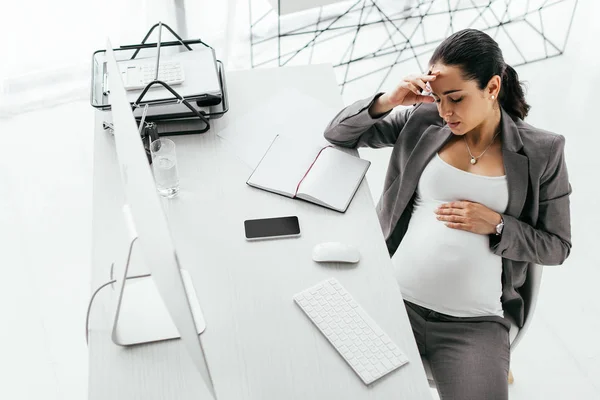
<point x="433" y="139"/>
<point x="516" y="166"/>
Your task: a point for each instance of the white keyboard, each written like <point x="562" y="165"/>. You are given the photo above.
<point x="364" y="346"/>
<point x="137" y="76"/>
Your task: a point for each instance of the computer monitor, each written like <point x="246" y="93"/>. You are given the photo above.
<point x="135" y="316"/>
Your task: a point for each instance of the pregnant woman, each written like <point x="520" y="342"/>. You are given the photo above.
<point x="473" y="195"/>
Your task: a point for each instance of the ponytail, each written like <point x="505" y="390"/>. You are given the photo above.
<point x="511" y="97"/>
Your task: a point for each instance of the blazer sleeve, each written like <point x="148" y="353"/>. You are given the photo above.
<point x="549" y="242"/>
<point x="354" y="127"/>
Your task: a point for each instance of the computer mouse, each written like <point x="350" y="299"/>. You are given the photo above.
<point x="335" y="252"/>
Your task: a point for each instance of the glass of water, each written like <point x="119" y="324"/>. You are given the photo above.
<point x="164" y="165"/>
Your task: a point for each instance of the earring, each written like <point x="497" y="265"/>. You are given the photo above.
<point x="493" y="97"/>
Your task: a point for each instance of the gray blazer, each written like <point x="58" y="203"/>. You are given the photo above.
<point x="537" y="226"/>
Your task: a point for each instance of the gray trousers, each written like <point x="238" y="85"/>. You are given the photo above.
<point x="469" y="357"/>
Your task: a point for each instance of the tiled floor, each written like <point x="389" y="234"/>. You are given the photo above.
<point x="45" y="182"/>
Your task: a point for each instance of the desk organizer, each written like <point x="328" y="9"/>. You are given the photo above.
<point x="175" y="114"/>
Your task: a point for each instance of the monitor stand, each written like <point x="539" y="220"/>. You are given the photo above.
<point x="141" y="315"/>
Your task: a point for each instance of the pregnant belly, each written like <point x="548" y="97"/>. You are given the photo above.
<point x="447" y="266"/>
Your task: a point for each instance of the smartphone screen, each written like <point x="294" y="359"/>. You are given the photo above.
<point x="272" y="228"/>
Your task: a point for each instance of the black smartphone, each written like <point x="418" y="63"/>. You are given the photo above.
<point x="271" y="228"/>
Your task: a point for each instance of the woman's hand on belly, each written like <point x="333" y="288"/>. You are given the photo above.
<point x="469" y="216"/>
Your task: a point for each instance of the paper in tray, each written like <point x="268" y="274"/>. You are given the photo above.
<point x="162" y="108"/>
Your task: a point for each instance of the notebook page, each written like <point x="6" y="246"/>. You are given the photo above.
<point x="284" y="165"/>
<point x="334" y="178"/>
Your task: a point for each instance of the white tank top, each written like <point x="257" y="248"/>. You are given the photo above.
<point x="448" y="270"/>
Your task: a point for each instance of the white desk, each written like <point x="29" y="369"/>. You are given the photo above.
<point x="258" y="343"/>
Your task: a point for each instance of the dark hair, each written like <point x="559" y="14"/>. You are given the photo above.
<point x="480" y="58"/>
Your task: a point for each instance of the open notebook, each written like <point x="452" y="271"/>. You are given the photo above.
<point x="319" y="174"/>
